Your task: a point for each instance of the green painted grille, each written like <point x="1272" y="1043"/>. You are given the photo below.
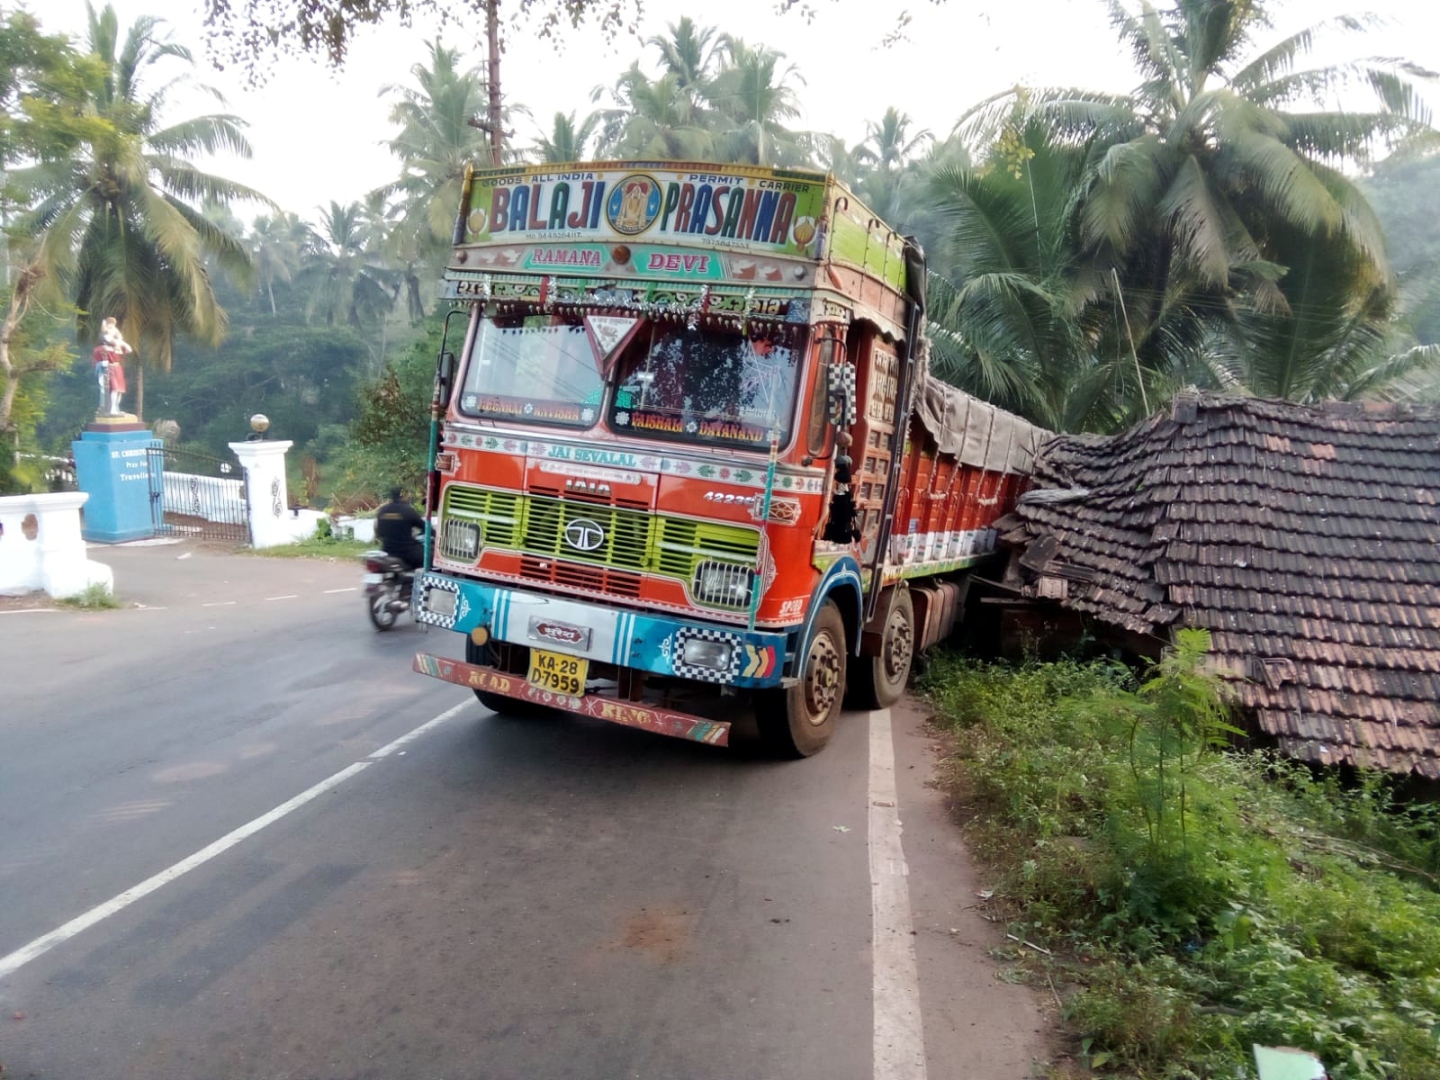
<point x="498" y="513"/>
<point x="634" y="540"/>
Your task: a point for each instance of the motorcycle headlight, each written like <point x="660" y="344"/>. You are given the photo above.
<point x="460" y="540"/>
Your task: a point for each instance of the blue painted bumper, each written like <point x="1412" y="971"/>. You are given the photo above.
<point x="654" y="643"/>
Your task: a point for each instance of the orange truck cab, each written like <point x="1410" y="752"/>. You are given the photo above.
<point x="689" y="459"/>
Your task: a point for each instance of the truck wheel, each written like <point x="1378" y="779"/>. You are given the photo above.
<point x="798" y="721"/>
<point x="876" y="682"/>
<point x="499" y="703"/>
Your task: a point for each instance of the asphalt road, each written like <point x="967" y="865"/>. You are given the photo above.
<point x="487" y="899"/>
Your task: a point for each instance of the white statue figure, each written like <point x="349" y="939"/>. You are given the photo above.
<point x="109" y="366"/>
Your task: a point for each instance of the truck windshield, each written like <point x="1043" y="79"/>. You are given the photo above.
<point x="704" y="387"/>
<point x="536" y="368"/>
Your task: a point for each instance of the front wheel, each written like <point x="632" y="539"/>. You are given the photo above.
<point x="499" y="703"/>
<point x="382" y="612"/>
<point x="799" y="720"/>
<point x="877" y="682"/>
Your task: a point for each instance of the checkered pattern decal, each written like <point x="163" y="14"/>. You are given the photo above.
<point x="842" y="386"/>
<point x="693" y="671"/>
<point x="424" y="614"/>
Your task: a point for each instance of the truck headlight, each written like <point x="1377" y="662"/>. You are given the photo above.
<point x="460" y="540"/>
<point x="708" y="654"/>
<point x="723" y="584"/>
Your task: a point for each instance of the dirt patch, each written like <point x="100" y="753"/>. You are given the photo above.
<point x="35" y="601"/>
<point x="663" y="936"/>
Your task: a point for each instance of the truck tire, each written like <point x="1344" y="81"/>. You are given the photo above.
<point x="877" y="682"/>
<point x="499" y="704"/>
<point x="798" y="721"/>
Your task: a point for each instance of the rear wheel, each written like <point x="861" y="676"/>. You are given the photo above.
<point x="382" y="613"/>
<point x="515" y="656"/>
<point x="798" y="721"/>
<point x="876" y="682"/>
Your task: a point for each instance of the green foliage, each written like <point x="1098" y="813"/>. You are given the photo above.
<point x="319" y="546"/>
<point x="390" y="439"/>
<point x="1197" y="900"/>
<point x="113" y="212"/>
<point x="95" y="598"/>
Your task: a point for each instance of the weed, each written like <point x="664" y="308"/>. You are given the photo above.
<point x="1217" y="898"/>
<point x="96" y="597"/>
<point x="317" y="547"/>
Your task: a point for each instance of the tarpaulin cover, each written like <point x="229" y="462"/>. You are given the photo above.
<point x="981" y="435"/>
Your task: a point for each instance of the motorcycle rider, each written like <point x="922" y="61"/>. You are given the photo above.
<point x="396" y="525"/>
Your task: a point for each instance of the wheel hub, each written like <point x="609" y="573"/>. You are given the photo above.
<point x="899" y="647"/>
<point x="822" y="678"/>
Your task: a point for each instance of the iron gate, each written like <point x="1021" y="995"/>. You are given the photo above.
<point x="196" y="495"/>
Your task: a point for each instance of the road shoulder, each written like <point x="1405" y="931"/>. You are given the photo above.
<point x="977" y="1027"/>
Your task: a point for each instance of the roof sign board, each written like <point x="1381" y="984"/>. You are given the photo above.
<point x="750" y="209"/>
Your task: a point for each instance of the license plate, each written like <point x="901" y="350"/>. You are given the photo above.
<point x="373" y="579"/>
<point x="557" y="672"/>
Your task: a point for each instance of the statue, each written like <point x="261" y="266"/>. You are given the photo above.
<point x="109" y="359"/>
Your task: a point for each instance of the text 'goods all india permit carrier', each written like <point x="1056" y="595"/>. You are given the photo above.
<point x="689" y="459"/>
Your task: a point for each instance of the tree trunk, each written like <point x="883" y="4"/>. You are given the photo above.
<point x="492" y="34"/>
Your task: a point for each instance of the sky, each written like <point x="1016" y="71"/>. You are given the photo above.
<point x="318" y="134"/>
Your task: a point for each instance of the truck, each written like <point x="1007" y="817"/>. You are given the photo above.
<point x="688" y="460"/>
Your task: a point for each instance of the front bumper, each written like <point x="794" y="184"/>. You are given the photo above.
<point x="627" y="639"/>
<point x="631" y="714"/>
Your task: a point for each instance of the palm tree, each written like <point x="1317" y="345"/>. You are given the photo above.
<point x="348" y="283"/>
<point x="848" y="164"/>
<point x="1193" y="180"/>
<point x="278" y="244"/>
<point x="888" y="149"/>
<point x="1338" y="336"/>
<point x="115" y="216"/>
<point x="1193" y="172"/>
<point x="755" y="98"/>
<point x="1004" y="310"/>
<point x="689" y="55"/>
<point x="567" y="139"/>
<point x="654" y="119"/>
<point x="435" y="144"/>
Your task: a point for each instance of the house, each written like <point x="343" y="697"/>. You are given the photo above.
<point x="1306" y="539"/>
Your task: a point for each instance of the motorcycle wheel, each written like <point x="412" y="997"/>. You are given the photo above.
<point x="381" y="613"/>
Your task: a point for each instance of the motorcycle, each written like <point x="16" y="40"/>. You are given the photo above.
<point x="389" y="583"/>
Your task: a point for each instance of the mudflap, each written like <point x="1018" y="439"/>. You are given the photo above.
<point x="629" y="713"/>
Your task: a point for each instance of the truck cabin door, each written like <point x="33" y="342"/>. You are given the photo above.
<point x="877" y="375"/>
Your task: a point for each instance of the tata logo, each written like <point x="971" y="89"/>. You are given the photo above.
<point x="582" y="534"/>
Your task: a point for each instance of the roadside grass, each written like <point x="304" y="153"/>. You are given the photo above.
<point x="1195" y="899"/>
<point x="94" y="598"/>
<point x="316" y="547"/>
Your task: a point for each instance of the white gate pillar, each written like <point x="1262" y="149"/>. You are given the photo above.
<point x="267" y="500"/>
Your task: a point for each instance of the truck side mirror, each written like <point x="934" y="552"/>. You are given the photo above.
<point x="444" y="382"/>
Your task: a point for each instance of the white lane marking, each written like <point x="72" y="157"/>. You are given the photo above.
<point x="41" y="945"/>
<point x="899" y="1044"/>
<point x="29" y="610"/>
<point x="390" y="748"/>
<point x="220" y="603"/>
<point x="351" y="588"/>
<point x="287" y="596"/>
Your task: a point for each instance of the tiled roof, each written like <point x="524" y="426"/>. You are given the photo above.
<point x="1307" y="540"/>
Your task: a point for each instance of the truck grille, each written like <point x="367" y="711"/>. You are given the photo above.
<point x="561" y="538"/>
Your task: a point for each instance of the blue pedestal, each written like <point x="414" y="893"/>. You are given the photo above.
<point x="113" y="466"/>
